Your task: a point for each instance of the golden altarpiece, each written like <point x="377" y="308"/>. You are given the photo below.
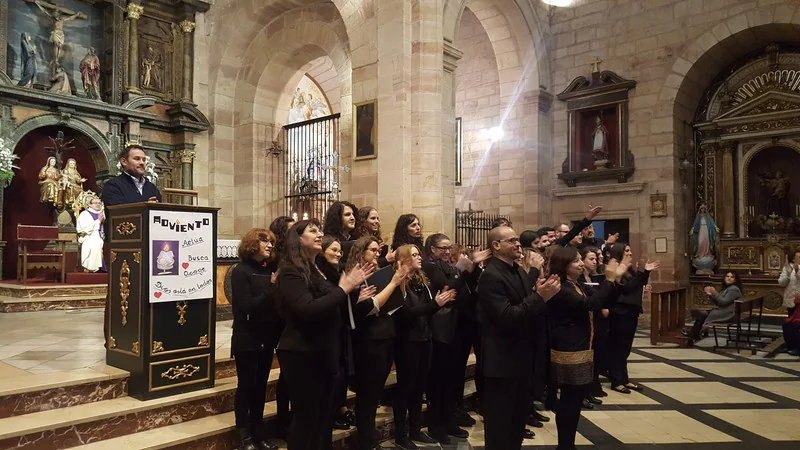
<point x="101" y="74"/>
<point x="747" y="156"/>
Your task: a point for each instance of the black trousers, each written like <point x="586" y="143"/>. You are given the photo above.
<point x="282" y="402"/>
<point x="445" y="382"/>
<point x="373" y="362"/>
<point x="791" y="334"/>
<point x="412" y="361"/>
<point x="700" y="316"/>
<point x="252" y="373"/>
<point x="601" y="350"/>
<point x="310" y="378"/>
<point x="505" y="406"/>
<point x="469" y="341"/>
<point x="568" y="414"/>
<point x="621" y="332"/>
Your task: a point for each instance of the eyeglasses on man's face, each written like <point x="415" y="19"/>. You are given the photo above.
<point x="512" y="241"/>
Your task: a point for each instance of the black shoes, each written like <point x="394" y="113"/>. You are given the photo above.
<point x="423" y="437"/>
<point x="587" y="405"/>
<point x="463" y="419"/>
<point x="455" y="431"/>
<point x="405" y="443"/>
<point x="439" y="436"/>
<point x="540" y="417"/>
<point x="594" y="400"/>
<point x="245" y="440"/>
<point x="351" y="417"/>
<point x="533" y="421"/>
<point x="528" y="434"/>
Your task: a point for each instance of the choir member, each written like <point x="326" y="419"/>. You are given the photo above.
<point x="501" y="222"/>
<point x="571" y="330"/>
<point x="373" y="342"/>
<point x="625" y="308"/>
<point x="256" y="329"/>
<point x="413" y="346"/>
<point x="309" y="346"/>
<point x="506" y="307"/>
<point x="407" y="231"/>
<point x="279" y="227"/>
<point x="589" y="280"/>
<point x="340" y="222"/>
<point x="564" y="235"/>
<point x="369" y="224"/>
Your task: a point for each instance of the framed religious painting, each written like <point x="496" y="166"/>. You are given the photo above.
<point x="365" y="130"/>
<point x="597" y="117"/>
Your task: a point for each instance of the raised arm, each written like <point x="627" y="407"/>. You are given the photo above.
<point x="42" y="8"/>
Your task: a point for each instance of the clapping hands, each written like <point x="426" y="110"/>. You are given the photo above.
<point x="534" y="259"/>
<point x="547" y="288"/>
<point x="445" y="296"/>
<point x="353" y="278"/>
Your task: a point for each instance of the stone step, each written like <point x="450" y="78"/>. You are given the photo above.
<point x="218" y="431"/>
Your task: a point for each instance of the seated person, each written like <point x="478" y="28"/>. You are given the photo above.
<point x="791" y="329"/>
<point x="731" y="291"/>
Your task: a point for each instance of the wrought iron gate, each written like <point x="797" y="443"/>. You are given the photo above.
<point x="472" y="227"/>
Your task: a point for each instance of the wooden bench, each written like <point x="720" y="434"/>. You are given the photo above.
<point x="29" y="236"/>
<point x="745" y="310"/>
<point x="668" y="315"/>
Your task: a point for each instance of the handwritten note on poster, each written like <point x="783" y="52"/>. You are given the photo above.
<point x="181" y="256"/>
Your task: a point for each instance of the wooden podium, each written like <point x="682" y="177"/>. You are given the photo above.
<point x="162" y="296"/>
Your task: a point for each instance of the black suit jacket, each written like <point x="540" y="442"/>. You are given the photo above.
<point x="256" y="324"/>
<point x="507" y="307"/>
<point x="120" y="190"/>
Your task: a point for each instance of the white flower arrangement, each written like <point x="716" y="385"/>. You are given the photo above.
<point x="149" y="169"/>
<point x="7" y="158"/>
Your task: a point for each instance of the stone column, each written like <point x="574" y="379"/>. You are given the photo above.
<point x="187" y="26"/>
<point x="187" y="167"/>
<point x="728" y="186"/>
<point x="4" y="34"/>
<point x="452" y="56"/>
<point x="135" y="11"/>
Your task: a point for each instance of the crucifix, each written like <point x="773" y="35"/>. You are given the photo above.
<point x="59" y="16"/>
<point x="596" y="64"/>
<point x="60" y="145"/>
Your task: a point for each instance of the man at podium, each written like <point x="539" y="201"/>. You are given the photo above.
<point x="131" y="186"/>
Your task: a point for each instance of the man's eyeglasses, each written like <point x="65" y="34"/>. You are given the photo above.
<point x="514" y="240"/>
<point x="444" y="249"/>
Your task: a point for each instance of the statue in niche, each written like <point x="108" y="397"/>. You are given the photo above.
<point x="90" y="74"/>
<point x="704" y="237"/>
<point x="71" y="182"/>
<point x="49" y="183"/>
<point x="60" y="82"/>
<point x="57" y="37"/>
<point x="777" y="186"/>
<point x="600" y="144"/>
<point x="28" y="52"/>
<point x="150" y="67"/>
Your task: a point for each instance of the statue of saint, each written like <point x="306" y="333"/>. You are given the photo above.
<point x="49" y="182"/>
<point x="60" y="82"/>
<point x="90" y="74"/>
<point x="90" y="234"/>
<point x="778" y="187"/>
<point x="57" y="37"/>
<point x="704" y="235"/>
<point x="150" y="65"/>
<point x="600" y="143"/>
<point x="165" y="260"/>
<point x="71" y="182"/>
<point x="27" y="50"/>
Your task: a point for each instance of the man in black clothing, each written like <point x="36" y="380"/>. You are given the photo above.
<point x="130" y="186"/>
<point x="507" y="306"/>
<point x="566" y="236"/>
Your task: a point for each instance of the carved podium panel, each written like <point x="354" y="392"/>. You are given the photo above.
<point x="162" y="296"/>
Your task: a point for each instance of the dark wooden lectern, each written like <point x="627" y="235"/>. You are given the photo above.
<point x="162" y="296"/>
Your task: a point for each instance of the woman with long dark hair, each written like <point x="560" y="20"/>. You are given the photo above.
<point x="571" y="332"/>
<point x="725" y="299"/>
<point x="310" y="345"/>
<point x="407" y="231"/>
<point x="369" y="224"/>
<point x="413" y="346"/>
<point x="625" y="307"/>
<point x="340" y="222"/>
<point x="256" y="329"/>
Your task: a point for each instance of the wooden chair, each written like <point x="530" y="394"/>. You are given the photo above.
<point x="27" y="258"/>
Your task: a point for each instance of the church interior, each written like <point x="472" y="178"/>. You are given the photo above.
<point x="681" y="118"/>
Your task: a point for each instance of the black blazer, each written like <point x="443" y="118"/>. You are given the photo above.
<point x="120" y="190"/>
<point x="256" y="323"/>
<point x="412" y="320"/>
<point x="507" y="307"/>
<point x="370" y="327"/>
<point x="445" y="322"/>
<point x="312" y="312"/>
<point x="563" y="241"/>
<point x="568" y="315"/>
<point x="628" y="299"/>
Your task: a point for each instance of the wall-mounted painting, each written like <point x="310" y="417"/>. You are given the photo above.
<point x="365" y="129"/>
<point x="308" y="102"/>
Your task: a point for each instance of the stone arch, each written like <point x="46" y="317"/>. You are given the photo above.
<point x="104" y="160"/>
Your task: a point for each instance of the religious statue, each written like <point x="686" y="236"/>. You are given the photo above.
<point x="90" y="74"/>
<point x="600" y="144"/>
<point x="49" y="182"/>
<point x="57" y="37"/>
<point x="28" y="52"/>
<point x="60" y="82"/>
<point x="90" y="233"/>
<point x="71" y="182"/>
<point x="778" y="189"/>
<point x="60" y="145"/>
<point x="165" y="260"/>
<point x="704" y="238"/>
<point x="150" y="64"/>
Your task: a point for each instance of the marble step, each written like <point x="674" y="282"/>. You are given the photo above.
<point x="44" y="392"/>
<point x="218" y="432"/>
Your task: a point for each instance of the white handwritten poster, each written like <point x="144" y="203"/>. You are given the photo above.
<point x="181" y="256"/>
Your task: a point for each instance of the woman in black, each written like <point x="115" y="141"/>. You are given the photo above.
<point x="570" y="319"/>
<point x="369" y="224"/>
<point x="407" y="231"/>
<point x="413" y="346"/>
<point x="340" y="222"/>
<point x="590" y="279"/>
<point x="625" y="307"/>
<point x="310" y="345"/>
<point x="373" y="341"/>
<point x="256" y="328"/>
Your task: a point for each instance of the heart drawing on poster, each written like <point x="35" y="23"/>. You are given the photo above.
<point x="157" y="295"/>
<point x="185" y="265"/>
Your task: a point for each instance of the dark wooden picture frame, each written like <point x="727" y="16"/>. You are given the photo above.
<point x="365" y="130"/>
